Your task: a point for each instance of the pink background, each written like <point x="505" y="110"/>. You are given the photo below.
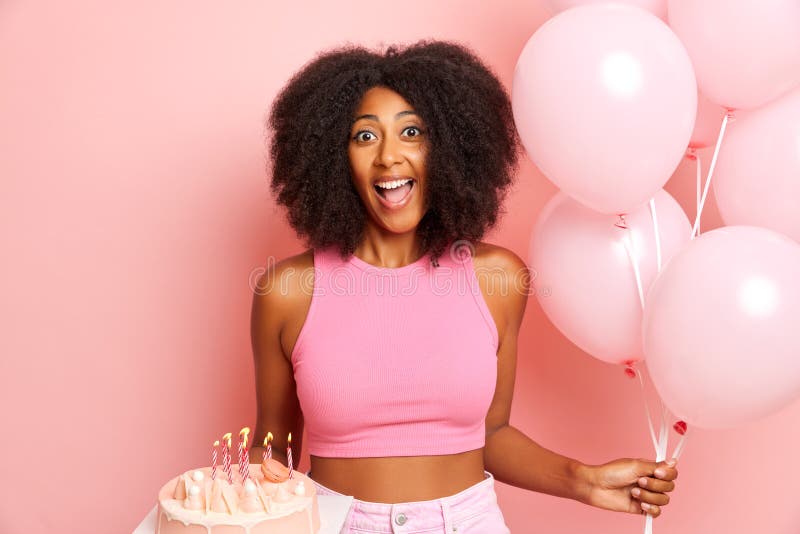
<point x="135" y="209"/>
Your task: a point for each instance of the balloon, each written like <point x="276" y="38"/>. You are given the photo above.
<point x="604" y="99"/>
<point x="707" y="124"/>
<point x="757" y="179"/>
<point x="656" y="7"/>
<point x="720" y="327"/>
<point x="584" y="278"/>
<point x="745" y="52"/>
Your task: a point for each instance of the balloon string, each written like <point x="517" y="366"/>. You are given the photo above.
<point x="659" y="444"/>
<point x="679" y="448"/>
<point x="699" y="182"/>
<point x="661" y="453"/>
<point x="698" y="178"/>
<point x="647" y="410"/>
<point x="627" y="242"/>
<point x="728" y="115"/>
<point x="629" y="245"/>
<point x="663" y="435"/>
<point x="655" y="229"/>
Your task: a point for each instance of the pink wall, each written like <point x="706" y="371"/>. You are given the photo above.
<point x="134" y="209"/>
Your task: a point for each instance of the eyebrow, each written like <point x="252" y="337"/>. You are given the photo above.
<point x="376" y="119"/>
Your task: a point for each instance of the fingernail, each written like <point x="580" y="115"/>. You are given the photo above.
<point x="645" y="506"/>
<point x="672" y="462"/>
<point x="643" y="481"/>
<point x="636" y="492"/>
<point x="660" y="472"/>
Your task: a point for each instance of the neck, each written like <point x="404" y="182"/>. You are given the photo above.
<point x="388" y="249"/>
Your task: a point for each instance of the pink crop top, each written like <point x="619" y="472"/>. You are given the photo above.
<point x="395" y="361"/>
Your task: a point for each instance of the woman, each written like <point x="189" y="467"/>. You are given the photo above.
<point x="393" y="166"/>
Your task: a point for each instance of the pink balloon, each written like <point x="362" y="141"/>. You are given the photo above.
<point x="757" y="180"/>
<point x="605" y="99"/>
<point x="656" y="7"/>
<point x="707" y="124"/>
<point x="720" y="327"/>
<point x="745" y="52"/>
<point x="584" y="279"/>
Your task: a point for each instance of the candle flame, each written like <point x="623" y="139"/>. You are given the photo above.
<point x="227" y="439"/>
<point x="290" y="438"/>
<point x="268" y="439"/>
<point x="216" y="443"/>
<point x="243" y="434"/>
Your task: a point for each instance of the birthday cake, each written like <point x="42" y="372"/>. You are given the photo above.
<point x="272" y="499"/>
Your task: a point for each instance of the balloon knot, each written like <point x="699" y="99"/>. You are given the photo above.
<point x="680" y="427"/>
<point x="629" y="370"/>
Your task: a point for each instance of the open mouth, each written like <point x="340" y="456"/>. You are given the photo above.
<point x="396" y="195"/>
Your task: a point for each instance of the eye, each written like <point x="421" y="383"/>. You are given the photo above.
<point x="358" y="134"/>
<point x="418" y="130"/>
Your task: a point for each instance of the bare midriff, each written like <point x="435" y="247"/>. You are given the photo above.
<point x="398" y="479"/>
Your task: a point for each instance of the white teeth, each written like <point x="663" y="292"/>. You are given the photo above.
<point x="393" y="185"/>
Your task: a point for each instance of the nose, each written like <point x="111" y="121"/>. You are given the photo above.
<point x="388" y="152"/>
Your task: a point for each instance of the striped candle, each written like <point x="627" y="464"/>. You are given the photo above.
<point x="214" y="460"/>
<point x="267" y="447"/>
<point x="226" y="456"/>
<point x="244" y="460"/>
<point x="240" y="466"/>
<point x="289" y="454"/>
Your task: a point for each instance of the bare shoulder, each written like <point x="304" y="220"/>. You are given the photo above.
<point x="282" y="296"/>
<point x="491" y="256"/>
<point x="299" y="261"/>
<point x="282" y="279"/>
<point x="505" y="281"/>
<point x="301" y="264"/>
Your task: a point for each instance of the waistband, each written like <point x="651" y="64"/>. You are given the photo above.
<point x="458" y="507"/>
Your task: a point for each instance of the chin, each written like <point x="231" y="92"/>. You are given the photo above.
<point x="396" y="225"/>
<point x="405" y="229"/>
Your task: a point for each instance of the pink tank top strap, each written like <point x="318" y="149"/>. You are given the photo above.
<point x="477" y="293"/>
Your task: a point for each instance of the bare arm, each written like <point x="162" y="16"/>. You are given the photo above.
<point x="278" y="410"/>
<point x="516" y="459"/>
<point x="510" y="455"/>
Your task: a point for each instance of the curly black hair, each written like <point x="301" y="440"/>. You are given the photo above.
<point x="474" y="144"/>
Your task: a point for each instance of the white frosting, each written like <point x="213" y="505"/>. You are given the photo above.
<point x="282" y="495"/>
<point x="296" y="501"/>
<point x="247" y="526"/>
<point x="174" y="510"/>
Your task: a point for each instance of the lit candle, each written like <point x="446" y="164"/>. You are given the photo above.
<point x="289" y="454"/>
<point x="214" y="460"/>
<point x="267" y="447"/>
<point x="244" y="461"/>
<point x="226" y="456"/>
<point x="240" y="464"/>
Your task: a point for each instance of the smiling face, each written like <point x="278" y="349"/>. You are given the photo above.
<point x="388" y="145"/>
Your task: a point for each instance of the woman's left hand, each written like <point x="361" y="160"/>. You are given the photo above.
<point x="631" y="485"/>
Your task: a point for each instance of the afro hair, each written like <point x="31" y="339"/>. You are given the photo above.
<point x="471" y="162"/>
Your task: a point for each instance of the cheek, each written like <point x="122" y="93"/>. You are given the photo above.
<point x="419" y="158"/>
<point x="358" y="176"/>
<point x="358" y="158"/>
